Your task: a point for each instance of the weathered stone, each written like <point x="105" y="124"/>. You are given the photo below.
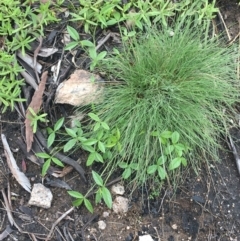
<point x="40" y="196"/>
<point x="117" y="189"/>
<point x="120" y="205"/>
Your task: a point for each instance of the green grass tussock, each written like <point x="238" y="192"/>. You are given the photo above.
<point x="182" y="82"/>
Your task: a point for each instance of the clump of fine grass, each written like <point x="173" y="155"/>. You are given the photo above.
<point x="182" y="82"/>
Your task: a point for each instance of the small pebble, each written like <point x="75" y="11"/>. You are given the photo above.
<point x="102" y="225"/>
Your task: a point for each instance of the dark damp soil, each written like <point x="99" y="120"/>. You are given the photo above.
<point x="205" y="207"/>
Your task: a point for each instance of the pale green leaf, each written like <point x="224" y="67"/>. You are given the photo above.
<point x="88" y="205"/>
<point x="151" y="169"/>
<point x="107" y="197"/>
<point x="97" y="178"/>
<point x="75" y="194"/>
<point x="73" y="33"/>
<point x="42" y="155"/>
<point x="69" y="145"/>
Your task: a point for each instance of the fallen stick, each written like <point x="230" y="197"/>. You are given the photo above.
<point x="57" y="222"/>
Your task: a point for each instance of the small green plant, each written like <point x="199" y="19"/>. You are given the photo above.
<point x="102" y="192"/>
<point x="19" y="26"/>
<point x="128" y="169"/>
<point x="35" y="118"/>
<point x="76" y="40"/>
<point x="172" y="154"/>
<point x="99" y="144"/>
<point x="52" y="131"/>
<point x="28" y="23"/>
<point x="48" y="160"/>
<point x="91" y="49"/>
<point x="10" y="87"/>
<point x="105" y="13"/>
<point x="80" y="199"/>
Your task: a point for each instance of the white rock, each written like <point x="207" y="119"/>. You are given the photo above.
<point x="146" y="237"/>
<point x="80" y="89"/>
<point x="105" y="214"/>
<point x="40" y="196"/>
<point x="102" y="225"/>
<point x="117" y="189"/>
<point x="174" y="226"/>
<point x="120" y="205"/>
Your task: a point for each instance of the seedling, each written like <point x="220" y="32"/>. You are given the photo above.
<point x="77" y="42"/>
<point x="80" y="199"/>
<point x="48" y="160"/>
<point x="52" y="132"/>
<point x="35" y="118"/>
<point x="102" y="192"/>
<point x="95" y="57"/>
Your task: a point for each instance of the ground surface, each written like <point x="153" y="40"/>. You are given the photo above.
<point x="205" y="207"/>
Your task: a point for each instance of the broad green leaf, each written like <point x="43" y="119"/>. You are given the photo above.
<point x="151" y="169"/>
<point x="93" y="55"/>
<point x="105" y="125"/>
<point x="99" y="157"/>
<point x="97" y="178"/>
<point x="88" y="148"/>
<point x="163" y="140"/>
<point x="90" y="142"/>
<point x="87" y="43"/>
<point x="88" y="205"/>
<point x="123" y="165"/>
<point x="71" y="45"/>
<point x="75" y="194"/>
<point x="169" y="149"/>
<point x="71" y="132"/>
<point x="100" y="134"/>
<point x="175" y="163"/>
<point x="175" y="137"/>
<point x="78" y="202"/>
<point x="155" y="133"/>
<point x="69" y="145"/>
<point x="98" y="196"/>
<point x="180" y="146"/>
<point x="127" y="172"/>
<point x="94" y="117"/>
<point x="101" y="55"/>
<point x="73" y="33"/>
<point x="49" y="130"/>
<point x="82" y="139"/>
<point x="59" y="124"/>
<point x="42" y="155"/>
<point x="166" y="134"/>
<point x="161" y="173"/>
<point x="107" y="197"/>
<point x="184" y="161"/>
<point x="91" y="159"/>
<point x="96" y="126"/>
<point x="111" y="141"/>
<point x="51" y="139"/>
<point x="134" y="166"/>
<point x="161" y="160"/>
<point x="101" y="147"/>
<point x="45" y="167"/>
<point x="179" y="152"/>
<point x="57" y="162"/>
